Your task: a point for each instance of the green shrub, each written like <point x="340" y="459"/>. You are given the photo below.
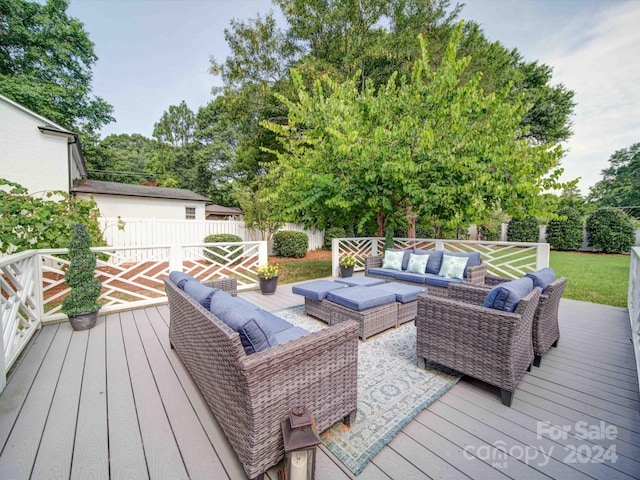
<point x="610" y="230"/>
<point x="226" y="254"/>
<point x="331" y="233"/>
<point x="523" y="229"/>
<point x="566" y="233"/>
<point x="291" y="244"/>
<point x="388" y="239"/>
<point x="85" y="287"/>
<point x="490" y="231"/>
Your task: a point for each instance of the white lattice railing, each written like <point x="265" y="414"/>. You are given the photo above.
<point x="505" y="259"/>
<point x="32" y="283"/>
<point x="20" y="305"/>
<point x="633" y="302"/>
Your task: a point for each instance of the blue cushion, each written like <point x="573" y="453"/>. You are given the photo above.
<point x="360" y="281"/>
<point x="276" y="324"/>
<point x="507" y="295"/>
<point x="233" y="311"/>
<point x="290" y="334"/>
<point x="316" y="290"/>
<point x="383" y="272"/>
<point x="404" y="293"/>
<point x="179" y="278"/>
<point x="360" y="298"/>
<point x="438" y="281"/>
<point x="256" y="335"/>
<point x="543" y="277"/>
<point x="199" y="292"/>
<point x="409" y="277"/>
<point x="435" y="260"/>
<point x="474" y="259"/>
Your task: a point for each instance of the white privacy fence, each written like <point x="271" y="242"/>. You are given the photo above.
<point x="505" y="259"/>
<point x="157" y="231"/>
<point x="32" y="283"/>
<point x="633" y="302"/>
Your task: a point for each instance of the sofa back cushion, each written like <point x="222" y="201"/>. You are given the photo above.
<point x="256" y="334"/>
<point x="507" y="295"/>
<point x="435" y="259"/>
<point x="234" y="312"/>
<point x="199" y="292"/>
<point x="542" y="278"/>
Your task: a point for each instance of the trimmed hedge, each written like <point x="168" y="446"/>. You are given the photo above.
<point x="523" y="229"/>
<point x="220" y="255"/>
<point x="565" y="234"/>
<point x="290" y="244"/>
<point x="610" y="230"/>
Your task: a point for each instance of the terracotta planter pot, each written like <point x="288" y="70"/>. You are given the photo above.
<point x="346" y="272"/>
<point x="83" y="321"/>
<point x="268" y="285"/>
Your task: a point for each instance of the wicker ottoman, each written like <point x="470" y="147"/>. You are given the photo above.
<point x="314" y="294"/>
<point x="407" y="298"/>
<point x="374" y="310"/>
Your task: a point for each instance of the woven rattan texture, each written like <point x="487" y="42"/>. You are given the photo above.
<point x="487" y="344"/>
<point x="250" y="395"/>
<point x="372" y="320"/>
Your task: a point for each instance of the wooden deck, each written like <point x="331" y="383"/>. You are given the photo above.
<point x="116" y="402"/>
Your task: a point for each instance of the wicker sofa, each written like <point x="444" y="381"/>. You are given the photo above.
<point x="474" y="272"/>
<point x="249" y="395"/>
<point x="485" y="343"/>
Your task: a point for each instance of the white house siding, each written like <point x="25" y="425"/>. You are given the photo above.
<point x="112" y="206"/>
<point x="38" y="161"/>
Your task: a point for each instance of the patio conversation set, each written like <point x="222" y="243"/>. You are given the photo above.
<point x="252" y="367"/>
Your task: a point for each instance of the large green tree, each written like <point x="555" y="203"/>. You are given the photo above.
<point x="45" y="64"/>
<point x="431" y="145"/>
<point x="620" y="184"/>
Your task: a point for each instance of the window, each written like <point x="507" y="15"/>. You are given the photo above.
<point x="190" y="213"/>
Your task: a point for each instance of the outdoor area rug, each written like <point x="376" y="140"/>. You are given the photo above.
<point x="392" y="390"/>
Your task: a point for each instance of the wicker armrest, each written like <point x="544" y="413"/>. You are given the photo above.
<point x="493" y="280"/>
<point x="468" y="293"/>
<point x="227" y="284"/>
<point x="476" y="274"/>
<point x="372" y="262"/>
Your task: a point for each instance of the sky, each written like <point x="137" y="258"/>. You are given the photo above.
<point x="155" y="53"/>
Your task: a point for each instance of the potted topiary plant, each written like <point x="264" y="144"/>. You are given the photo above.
<point x="347" y="262"/>
<point x="268" y="278"/>
<point x="81" y="305"/>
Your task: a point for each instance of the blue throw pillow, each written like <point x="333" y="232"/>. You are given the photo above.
<point x="435" y="260"/>
<point x="256" y="335"/>
<point x="199" y="292"/>
<point x="507" y="295"/>
<point x="179" y="278"/>
<point x="543" y="277"/>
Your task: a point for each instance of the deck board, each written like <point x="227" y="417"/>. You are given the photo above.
<point x="117" y="402"/>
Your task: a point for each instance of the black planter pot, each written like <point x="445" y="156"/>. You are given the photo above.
<point x="83" y="321"/>
<point x="346" y="272"/>
<point x="268" y="285"/>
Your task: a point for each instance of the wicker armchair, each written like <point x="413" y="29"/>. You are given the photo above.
<point x="250" y="394"/>
<point x="546" y="332"/>
<point x="488" y="344"/>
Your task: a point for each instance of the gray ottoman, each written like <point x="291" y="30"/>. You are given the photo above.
<point x="374" y="310"/>
<point x="407" y="298"/>
<point x="360" y="281"/>
<point x="314" y="294"/>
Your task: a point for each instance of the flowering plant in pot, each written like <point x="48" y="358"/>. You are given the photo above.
<point x="268" y="277"/>
<point x="347" y="262"/>
<point x="81" y="305"/>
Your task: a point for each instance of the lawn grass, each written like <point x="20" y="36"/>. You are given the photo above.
<point x="596" y="278"/>
<point x="306" y="270"/>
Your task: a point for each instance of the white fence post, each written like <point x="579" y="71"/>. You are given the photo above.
<point x="542" y="255"/>
<point x="263" y="255"/>
<point x="335" y="257"/>
<point x="175" y="258"/>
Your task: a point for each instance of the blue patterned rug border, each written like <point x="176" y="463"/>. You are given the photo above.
<point x="334" y="438"/>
